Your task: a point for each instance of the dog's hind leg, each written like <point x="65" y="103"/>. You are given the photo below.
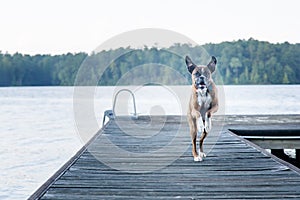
<point x="203" y="136"/>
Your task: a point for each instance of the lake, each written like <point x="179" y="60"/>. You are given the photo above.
<point x="39" y="132"/>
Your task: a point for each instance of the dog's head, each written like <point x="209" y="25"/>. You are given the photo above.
<point x="201" y="75"/>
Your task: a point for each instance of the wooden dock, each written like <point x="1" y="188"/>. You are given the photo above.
<point x="130" y="159"/>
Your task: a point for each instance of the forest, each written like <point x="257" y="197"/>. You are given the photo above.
<point x="239" y="62"/>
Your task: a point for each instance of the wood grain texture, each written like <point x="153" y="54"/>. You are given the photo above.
<point x="233" y="169"/>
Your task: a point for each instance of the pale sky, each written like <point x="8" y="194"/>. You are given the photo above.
<point x="61" y="26"/>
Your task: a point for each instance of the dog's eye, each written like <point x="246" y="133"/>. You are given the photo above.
<point x="197" y="74"/>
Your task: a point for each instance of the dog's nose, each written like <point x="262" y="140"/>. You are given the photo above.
<point x="201" y="79"/>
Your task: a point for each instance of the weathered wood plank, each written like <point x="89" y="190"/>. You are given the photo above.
<point x="232" y="170"/>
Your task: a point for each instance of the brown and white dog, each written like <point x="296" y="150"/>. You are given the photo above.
<point x="203" y="103"/>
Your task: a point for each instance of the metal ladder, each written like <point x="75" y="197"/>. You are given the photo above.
<point x="111" y="113"/>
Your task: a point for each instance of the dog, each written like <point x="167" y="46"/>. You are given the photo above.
<point x="203" y="103"/>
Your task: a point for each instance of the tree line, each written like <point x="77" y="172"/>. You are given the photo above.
<point x="239" y="62"/>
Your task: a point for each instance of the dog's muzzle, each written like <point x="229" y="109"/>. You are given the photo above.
<point x="200" y="82"/>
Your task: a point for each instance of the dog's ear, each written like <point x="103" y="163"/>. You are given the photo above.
<point x="190" y="65"/>
<point x="212" y="64"/>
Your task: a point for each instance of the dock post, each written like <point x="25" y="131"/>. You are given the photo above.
<point x="298" y="156"/>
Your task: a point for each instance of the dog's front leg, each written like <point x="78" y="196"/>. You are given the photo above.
<point x="201" y="131"/>
<point x="207" y="125"/>
<point x="193" y="132"/>
<point x="197" y="127"/>
<point x="200" y="125"/>
<point x="208" y="115"/>
<point x="201" y="153"/>
<point x="199" y="121"/>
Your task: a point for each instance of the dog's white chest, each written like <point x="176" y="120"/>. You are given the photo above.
<point x="204" y="101"/>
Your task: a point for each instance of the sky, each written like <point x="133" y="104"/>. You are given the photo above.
<point x="62" y="26"/>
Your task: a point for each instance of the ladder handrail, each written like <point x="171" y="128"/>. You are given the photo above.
<point x="111" y="113"/>
<point x="133" y="98"/>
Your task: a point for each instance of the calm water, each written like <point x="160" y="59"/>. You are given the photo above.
<point x="38" y="131"/>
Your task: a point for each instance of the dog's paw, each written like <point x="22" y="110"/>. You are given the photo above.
<point x="202" y="155"/>
<point x="198" y="159"/>
<point x="207" y="124"/>
<point x="200" y="125"/>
